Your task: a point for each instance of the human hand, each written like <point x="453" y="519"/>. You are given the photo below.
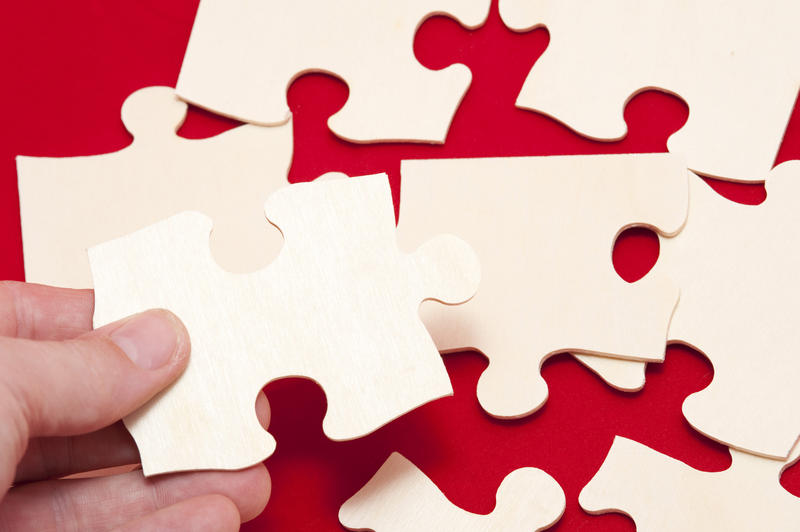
<point x="63" y="389"/>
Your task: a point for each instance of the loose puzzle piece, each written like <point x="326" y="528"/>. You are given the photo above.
<point x="339" y="305"/>
<point x="243" y="55"/>
<point x="70" y="204"/>
<point x="545" y="228"/>
<point x="400" y="498"/>
<point x="663" y="494"/>
<point x="736" y="65"/>
<point x="737" y="268"/>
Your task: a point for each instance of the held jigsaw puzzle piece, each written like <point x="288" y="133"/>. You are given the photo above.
<point x="339" y="305"/>
<point x="545" y="228"/>
<point x="662" y="494"/>
<point x="72" y="203"/>
<point x="737" y="267"/>
<point x="736" y="65"/>
<point x="399" y="497"/>
<point x="242" y="56"/>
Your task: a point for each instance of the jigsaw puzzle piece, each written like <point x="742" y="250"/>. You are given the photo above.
<point x="68" y="204"/>
<point x="544" y="228"/>
<point x="663" y="494"/>
<point x="339" y="305"/>
<point x="399" y="497"/>
<point x="242" y="56"/>
<point x="736" y="266"/>
<point x="722" y="57"/>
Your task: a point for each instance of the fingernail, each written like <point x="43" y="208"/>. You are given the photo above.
<point x="150" y="339"/>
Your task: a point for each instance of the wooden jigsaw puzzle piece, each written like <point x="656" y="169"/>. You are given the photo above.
<point x="736" y="266"/>
<point x="722" y="57"/>
<point x="544" y="228"/>
<point x="68" y="204"/>
<point x="663" y="494"/>
<point x="339" y="305"/>
<point x="242" y="56"/>
<point x="399" y="497"/>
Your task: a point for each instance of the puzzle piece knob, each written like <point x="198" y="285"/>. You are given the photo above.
<point x="153" y="112"/>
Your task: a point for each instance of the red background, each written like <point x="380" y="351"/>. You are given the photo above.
<point x="68" y="66"/>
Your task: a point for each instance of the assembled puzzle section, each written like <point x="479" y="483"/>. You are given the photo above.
<point x="662" y="494"/>
<point x="544" y="228"/>
<point x="737" y="268"/>
<point x="70" y="204"/>
<point x="339" y="305"/>
<point x="400" y="498"/>
<point x="243" y="55"/>
<point x="735" y="63"/>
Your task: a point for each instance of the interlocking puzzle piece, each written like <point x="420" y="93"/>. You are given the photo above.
<point x="70" y="204"/>
<point x="242" y="56"/>
<point x="400" y="498"/>
<point x="736" y="65"/>
<point x="663" y="494"/>
<point x="545" y="228"/>
<point x="339" y="305"/>
<point x="737" y="267"/>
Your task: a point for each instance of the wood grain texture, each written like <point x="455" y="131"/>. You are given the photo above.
<point x="544" y="228"/>
<point x="243" y="55"/>
<point x="736" y="66"/>
<point x="662" y="494"/>
<point x="400" y="498"/>
<point x="737" y="267"/>
<point x="339" y="305"/>
<point x="70" y="204"/>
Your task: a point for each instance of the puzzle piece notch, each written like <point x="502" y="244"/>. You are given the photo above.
<point x="663" y="494"/>
<point x="727" y="57"/>
<point x="242" y="57"/>
<point x="99" y="198"/>
<point x="602" y="195"/>
<point x="737" y="268"/>
<point x="399" y="497"/>
<point x="339" y="306"/>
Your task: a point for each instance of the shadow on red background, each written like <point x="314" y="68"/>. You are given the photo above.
<point x="69" y="67"/>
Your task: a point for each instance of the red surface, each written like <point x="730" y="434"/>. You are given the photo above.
<point x="67" y="68"/>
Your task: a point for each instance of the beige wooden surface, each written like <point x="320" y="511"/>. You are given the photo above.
<point x="735" y="63"/>
<point x="544" y="229"/>
<point x="400" y="498"/>
<point x="662" y="494"/>
<point x="339" y="305"/>
<point x="243" y="55"/>
<point x="69" y="204"/>
<point x="737" y="268"/>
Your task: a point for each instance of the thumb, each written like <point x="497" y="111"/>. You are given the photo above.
<point x="77" y="386"/>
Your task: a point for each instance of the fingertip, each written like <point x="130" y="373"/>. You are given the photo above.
<point x="257" y="488"/>
<point x="183" y="340"/>
<point x="152" y="340"/>
<point x="226" y="514"/>
<point x="263" y="410"/>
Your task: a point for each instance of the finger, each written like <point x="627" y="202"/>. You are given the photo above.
<point x="49" y="458"/>
<point x="113" y="501"/>
<point x="41" y="312"/>
<point x="81" y="385"/>
<point x="209" y="512"/>
<point x="263" y="410"/>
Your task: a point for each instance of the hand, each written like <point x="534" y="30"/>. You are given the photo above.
<point x="63" y="390"/>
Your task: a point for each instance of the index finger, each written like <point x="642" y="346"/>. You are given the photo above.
<point x="39" y="312"/>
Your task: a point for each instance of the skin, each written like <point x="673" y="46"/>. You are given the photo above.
<point x="63" y="390"/>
